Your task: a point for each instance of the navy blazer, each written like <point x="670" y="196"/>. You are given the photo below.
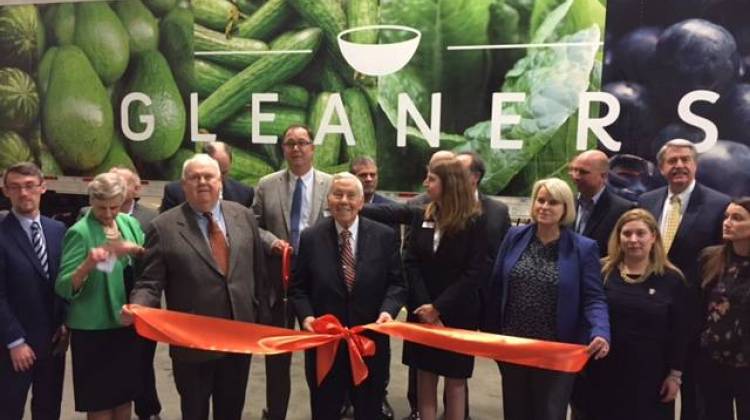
<point x="29" y="307"/>
<point x="231" y="190"/>
<point x="581" y="303"/>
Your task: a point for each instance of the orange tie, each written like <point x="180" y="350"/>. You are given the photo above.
<point x="219" y="247"/>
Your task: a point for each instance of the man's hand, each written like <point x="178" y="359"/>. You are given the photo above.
<point x="307" y="323"/>
<point x="61" y="340"/>
<point x="428" y="314"/>
<point x="127" y="315"/>
<point x="23" y="357"/>
<point x="599" y="348"/>
<point x="278" y="246"/>
<point x="384" y="317"/>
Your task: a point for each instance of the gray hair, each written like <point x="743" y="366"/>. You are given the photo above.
<point x="106" y="186"/>
<point x="560" y="191"/>
<point x="346" y="175"/>
<point x="202" y="159"/>
<point x="361" y="161"/>
<point x="676" y="143"/>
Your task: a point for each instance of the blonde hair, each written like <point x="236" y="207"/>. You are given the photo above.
<point x="106" y="186"/>
<point x="657" y="257"/>
<point x="560" y="191"/>
<point x="457" y="204"/>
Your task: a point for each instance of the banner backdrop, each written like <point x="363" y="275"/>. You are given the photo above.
<point x="144" y="83"/>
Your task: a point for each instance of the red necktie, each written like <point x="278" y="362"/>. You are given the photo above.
<point x="219" y="247"/>
<point x="347" y="259"/>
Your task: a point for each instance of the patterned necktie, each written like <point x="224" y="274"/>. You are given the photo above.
<point x="38" y="244"/>
<point x="219" y="247"/>
<point x="347" y="259"/>
<point x="673" y="221"/>
<point x="296" y="213"/>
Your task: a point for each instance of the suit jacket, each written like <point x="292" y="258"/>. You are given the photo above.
<point x="603" y="218"/>
<point x="318" y="285"/>
<point x="700" y="227"/>
<point x="380" y="199"/>
<point x="272" y="206"/>
<point x="231" y="190"/>
<point x="497" y="217"/>
<point x="142" y="214"/>
<point x="29" y="307"/>
<point x="581" y="305"/>
<point x="178" y="261"/>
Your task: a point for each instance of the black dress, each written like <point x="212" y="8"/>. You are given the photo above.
<point x="649" y="338"/>
<point x="448" y="278"/>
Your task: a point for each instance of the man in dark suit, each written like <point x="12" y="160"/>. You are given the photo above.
<point x="33" y="335"/>
<point x="598" y="208"/>
<point x="690" y="217"/>
<point x="349" y="267"/>
<point x="231" y="190"/>
<point x="207" y="258"/>
<point x="287" y="202"/>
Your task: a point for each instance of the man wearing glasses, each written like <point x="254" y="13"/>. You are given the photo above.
<point x="286" y="202"/>
<point x="33" y="336"/>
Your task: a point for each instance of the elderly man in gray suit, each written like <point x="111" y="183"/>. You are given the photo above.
<point x="286" y="202"/>
<point x="207" y="258"/>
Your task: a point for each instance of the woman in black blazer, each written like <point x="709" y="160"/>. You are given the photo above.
<point x="445" y="258"/>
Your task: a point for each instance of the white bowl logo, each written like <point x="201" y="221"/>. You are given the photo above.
<point x="379" y="59"/>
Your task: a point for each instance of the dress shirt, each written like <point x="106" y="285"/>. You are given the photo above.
<point x="594" y="200"/>
<point x="684" y="200"/>
<point x="203" y="222"/>
<point x="307" y="187"/>
<point x="354" y="229"/>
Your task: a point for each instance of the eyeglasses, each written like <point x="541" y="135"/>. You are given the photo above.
<point x="24" y="187"/>
<point x="293" y="144"/>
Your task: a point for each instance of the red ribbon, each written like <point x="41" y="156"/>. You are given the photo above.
<point x="217" y="334"/>
<point x="286" y="266"/>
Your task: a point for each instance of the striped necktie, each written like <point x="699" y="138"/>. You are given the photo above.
<point x="219" y="246"/>
<point x="673" y="221"/>
<point x="347" y="259"/>
<point x="38" y="244"/>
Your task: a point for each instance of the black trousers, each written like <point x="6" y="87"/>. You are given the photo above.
<point x="278" y="379"/>
<point x="723" y="386"/>
<point x="147" y="400"/>
<point x="693" y="404"/>
<point x="535" y="394"/>
<point x="45" y="379"/>
<point x="327" y="398"/>
<point x="222" y="381"/>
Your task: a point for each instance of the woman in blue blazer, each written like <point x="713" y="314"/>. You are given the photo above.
<point x="546" y="284"/>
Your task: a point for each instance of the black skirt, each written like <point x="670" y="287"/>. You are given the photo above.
<point x="105" y="368"/>
<point x="440" y="362"/>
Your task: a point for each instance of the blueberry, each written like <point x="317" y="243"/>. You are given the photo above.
<point x="693" y="54"/>
<point x="734" y="109"/>
<point x="727" y="160"/>
<point x="637" y="123"/>
<point x="675" y="130"/>
<point x="633" y="54"/>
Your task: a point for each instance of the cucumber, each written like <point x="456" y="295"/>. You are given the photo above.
<point x="265" y="21"/>
<point x="210" y="76"/>
<point x="205" y="39"/>
<point x="240" y="125"/>
<point x="268" y="71"/>
<point x="219" y="15"/>
<point x="248" y="7"/>
<point x="327" y="153"/>
<point x="247" y="165"/>
<point x="362" y="13"/>
<point x="358" y="110"/>
<point x="329" y="78"/>
<point x="326" y="14"/>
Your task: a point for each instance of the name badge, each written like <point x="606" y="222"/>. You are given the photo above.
<point x="428" y="224"/>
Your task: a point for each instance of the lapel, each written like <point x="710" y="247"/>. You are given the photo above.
<point x="363" y="245"/>
<point x="285" y="199"/>
<point x="191" y="232"/>
<point x="689" y="217"/>
<point x="54" y="247"/>
<point x="656" y="207"/>
<point x="230" y="219"/>
<point x="318" y="196"/>
<point x="23" y="242"/>
<point x="598" y="213"/>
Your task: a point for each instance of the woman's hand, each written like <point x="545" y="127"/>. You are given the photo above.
<point x="599" y="348"/>
<point x="671" y="386"/>
<point x="120" y="248"/>
<point x="428" y="314"/>
<point x="96" y="255"/>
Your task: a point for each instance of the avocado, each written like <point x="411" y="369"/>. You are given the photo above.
<point x="116" y="156"/>
<point x="176" y="42"/>
<point x="100" y="34"/>
<point x="76" y="113"/>
<point x="153" y="77"/>
<point x="140" y="24"/>
<point x="45" y="66"/>
<point x="60" y="21"/>
<point x="160" y="7"/>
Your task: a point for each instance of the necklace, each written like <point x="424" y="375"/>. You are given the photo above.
<point x="631" y="277"/>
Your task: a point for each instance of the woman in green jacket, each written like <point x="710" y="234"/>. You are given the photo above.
<point x="97" y="260"/>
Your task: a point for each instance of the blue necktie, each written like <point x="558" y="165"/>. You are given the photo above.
<point x="39" y="249"/>
<point x="296" y="212"/>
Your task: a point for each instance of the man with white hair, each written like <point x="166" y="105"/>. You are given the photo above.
<point x="349" y="267"/>
<point x="207" y="258"/>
